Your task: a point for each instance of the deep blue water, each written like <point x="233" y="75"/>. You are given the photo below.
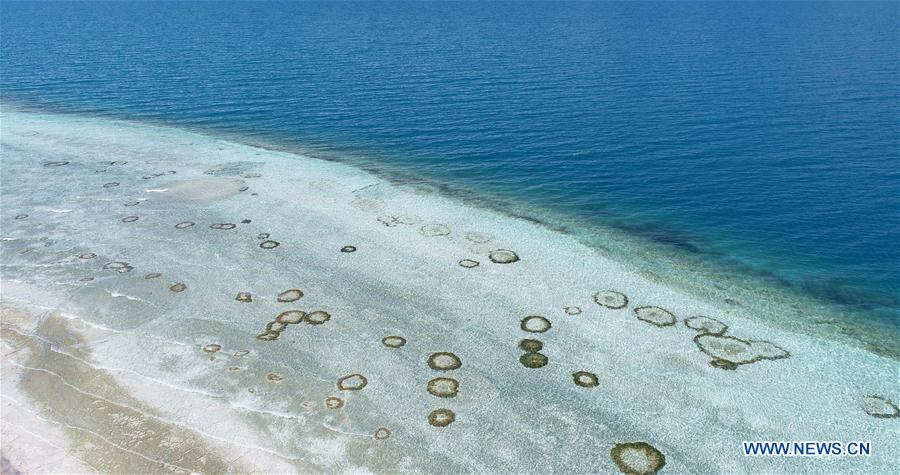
<point x="764" y="135"/>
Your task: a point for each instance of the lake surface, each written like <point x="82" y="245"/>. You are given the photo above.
<point x="757" y="138"/>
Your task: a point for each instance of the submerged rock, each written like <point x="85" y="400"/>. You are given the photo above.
<point x="244" y="297"/>
<point x="468" y="263"/>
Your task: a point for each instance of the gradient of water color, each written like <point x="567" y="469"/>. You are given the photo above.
<point x="759" y="136"/>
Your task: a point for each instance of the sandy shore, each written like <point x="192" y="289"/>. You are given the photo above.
<point x="148" y="326"/>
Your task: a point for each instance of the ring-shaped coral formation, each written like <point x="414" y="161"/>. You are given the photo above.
<point x="393" y="341"/>
<point x="290" y="295"/>
<point x="655" y="316"/>
<point x="534" y="360"/>
<point x="432" y="230"/>
<point x="334" y="402"/>
<point x="352" y="382"/>
<point x="291" y="317"/>
<point x="531" y="345"/>
<point x="443" y="387"/>
<point x="702" y="324"/>
<point x="729" y="352"/>
<point x="637" y="458"/>
<point x="535" y="324"/>
<point x="611" y="299"/>
<point x="317" y="317"/>
<point x="269" y="244"/>
<point x="880" y="407"/>
<point x="585" y="379"/>
<point x="441" y="417"/>
<point x="444" y="361"/>
<point x="383" y="433"/>
<point x="503" y="256"/>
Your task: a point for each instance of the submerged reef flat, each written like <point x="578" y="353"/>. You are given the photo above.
<point x="226" y="331"/>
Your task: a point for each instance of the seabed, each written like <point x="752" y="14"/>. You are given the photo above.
<point x="175" y="302"/>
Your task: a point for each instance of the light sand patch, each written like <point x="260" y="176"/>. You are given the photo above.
<point x="201" y="189"/>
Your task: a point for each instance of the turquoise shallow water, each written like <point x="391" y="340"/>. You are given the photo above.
<point x="756" y="139"/>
